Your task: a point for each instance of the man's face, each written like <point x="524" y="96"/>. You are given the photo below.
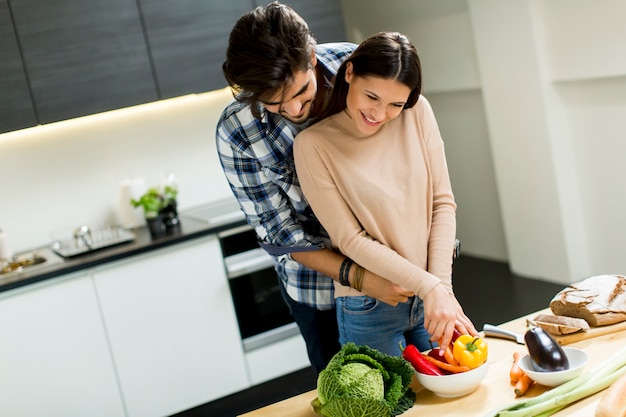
<point x="294" y="101"/>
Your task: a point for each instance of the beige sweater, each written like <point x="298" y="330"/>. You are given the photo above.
<point x="385" y="199"/>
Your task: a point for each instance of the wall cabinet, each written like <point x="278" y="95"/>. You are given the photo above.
<point x="172" y="328"/>
<point x="83" y="57"/>
<point x="16" y="108"/>
<point x="54" y="357"/>
<point x="188" y="41"/>
<point x="324" y="17"/>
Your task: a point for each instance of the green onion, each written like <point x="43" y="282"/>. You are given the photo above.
<point x="587" y="384"/>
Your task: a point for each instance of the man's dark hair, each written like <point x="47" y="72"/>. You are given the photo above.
<point x="266" y="47"/>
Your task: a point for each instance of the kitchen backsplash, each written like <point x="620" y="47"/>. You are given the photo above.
<point x="59" y="176"/>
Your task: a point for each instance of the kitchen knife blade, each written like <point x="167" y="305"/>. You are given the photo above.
<point x="495" y="331"/>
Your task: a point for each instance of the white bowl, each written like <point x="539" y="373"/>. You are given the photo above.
<point x="577" y="360"/>
<point x="454" y="385"/>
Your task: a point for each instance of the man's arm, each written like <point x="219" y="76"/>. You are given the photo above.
<point x="329" y="263"/>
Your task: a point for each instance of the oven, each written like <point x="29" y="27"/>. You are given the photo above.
<point x="262" y="314"/>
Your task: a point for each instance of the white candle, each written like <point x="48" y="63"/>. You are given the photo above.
<point x="5" y="248"/>
<point x="129" y="215"/>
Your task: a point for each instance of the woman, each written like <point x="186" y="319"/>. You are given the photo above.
<point x="374" y="172"/>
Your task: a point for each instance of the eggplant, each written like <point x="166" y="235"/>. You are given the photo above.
<point x="546" y="355"/>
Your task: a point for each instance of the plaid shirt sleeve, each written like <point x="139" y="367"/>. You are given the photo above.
<point x="256" y="156"/>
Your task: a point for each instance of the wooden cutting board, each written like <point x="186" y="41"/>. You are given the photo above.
<point x="591" y="333"/>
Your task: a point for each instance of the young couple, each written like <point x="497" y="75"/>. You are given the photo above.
<point x="368" y="223"/>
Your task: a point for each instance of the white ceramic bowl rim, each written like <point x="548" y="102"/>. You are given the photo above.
<point x="577" y="358"/>
<point x="454" y="385"/>
<point x="571" y="352"/>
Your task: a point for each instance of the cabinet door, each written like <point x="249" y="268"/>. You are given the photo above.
<point x="16" y="108"/>
<point x="54" y="357"/>
<point x="172" y="328"/>
<point x="324" y="17"/>
<point x="83" y="56"/>
<point x="188" y="40"/>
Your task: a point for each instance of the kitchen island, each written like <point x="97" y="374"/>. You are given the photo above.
<point x="494" y="392"/>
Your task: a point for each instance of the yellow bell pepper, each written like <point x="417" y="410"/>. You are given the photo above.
<point x="470" y="351"/>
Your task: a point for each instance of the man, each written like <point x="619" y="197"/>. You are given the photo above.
<point x="280" y="78"/>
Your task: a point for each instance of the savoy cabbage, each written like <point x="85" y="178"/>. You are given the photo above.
<point x="363" y="382"/>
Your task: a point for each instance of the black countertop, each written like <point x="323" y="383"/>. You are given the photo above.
<point x="191" y="228"/>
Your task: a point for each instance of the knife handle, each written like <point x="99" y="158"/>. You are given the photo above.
<point x="494" y="331"/>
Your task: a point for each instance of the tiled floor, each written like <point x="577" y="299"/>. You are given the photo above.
<point x="487" y="290"/>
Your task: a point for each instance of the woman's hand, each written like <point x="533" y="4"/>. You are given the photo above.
<point x="443" y="314"/>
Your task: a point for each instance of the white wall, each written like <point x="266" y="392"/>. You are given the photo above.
<point x="530" y="98"/>
<point x="59" y="176"/>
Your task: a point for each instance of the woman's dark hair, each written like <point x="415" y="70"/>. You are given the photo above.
<point x="389" y="55"/>
<point x="266" y="47"/>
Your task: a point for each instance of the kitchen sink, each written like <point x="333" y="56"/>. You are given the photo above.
<point x="28" y="261"/>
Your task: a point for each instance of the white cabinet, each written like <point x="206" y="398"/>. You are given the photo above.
<point x="54" y="359"/>
<point x="278" y="359"/>
<point x="172" y="328"/>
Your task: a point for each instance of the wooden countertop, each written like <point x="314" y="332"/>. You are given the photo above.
<point x="494" y="392"/>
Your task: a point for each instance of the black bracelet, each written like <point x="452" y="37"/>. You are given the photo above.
<point x="344" y="272"/>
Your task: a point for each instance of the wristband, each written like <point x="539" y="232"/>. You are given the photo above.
<point x="344" y="272"/>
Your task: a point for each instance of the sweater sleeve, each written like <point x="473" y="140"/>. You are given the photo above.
<point x="344" y="229"/>
<point x="443" y="225"/>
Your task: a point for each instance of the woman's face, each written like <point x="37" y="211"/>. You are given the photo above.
<point x="373" y="101"/>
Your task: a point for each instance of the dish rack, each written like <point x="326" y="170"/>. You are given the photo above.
<point x="84" y="240"/>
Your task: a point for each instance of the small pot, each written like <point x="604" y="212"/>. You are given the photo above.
<point x="157" y="227"/>
<point x="165" y="223"/>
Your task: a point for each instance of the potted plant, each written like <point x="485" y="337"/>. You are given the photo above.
<point x="159" y="209"/>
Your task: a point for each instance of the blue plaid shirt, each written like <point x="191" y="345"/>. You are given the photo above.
<point x="257" y="158"/>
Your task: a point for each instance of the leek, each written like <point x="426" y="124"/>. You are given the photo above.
<point x="578" y="388"/>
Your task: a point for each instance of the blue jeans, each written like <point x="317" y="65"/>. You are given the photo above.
<point x="366" y="321"/>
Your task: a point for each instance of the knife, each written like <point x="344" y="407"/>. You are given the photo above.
<point x="494" y="331"/>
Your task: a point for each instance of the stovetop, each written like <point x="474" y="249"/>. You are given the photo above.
<point x="217" y="213"/>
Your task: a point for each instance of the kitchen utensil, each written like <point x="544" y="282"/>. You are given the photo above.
<point x="577" y="360"/>
<point x="494" y="331"/>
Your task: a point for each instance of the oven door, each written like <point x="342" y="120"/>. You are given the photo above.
<point x="262" y="314"/>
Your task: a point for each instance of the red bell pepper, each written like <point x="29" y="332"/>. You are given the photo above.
<point x="421" y="365"/>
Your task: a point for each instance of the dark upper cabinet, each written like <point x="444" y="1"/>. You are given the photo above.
<point x="188" y="41"/>
<point x="16" y="107"/>
<point x="324" y="17"/>
<point x="69" y="58"/>
<point x="83" y="57"/>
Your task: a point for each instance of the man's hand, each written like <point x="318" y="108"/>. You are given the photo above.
<point x="328" y="263"/>
<point x="384" y="290"/>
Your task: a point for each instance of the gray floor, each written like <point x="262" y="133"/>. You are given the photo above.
<point x="487" y="290"/>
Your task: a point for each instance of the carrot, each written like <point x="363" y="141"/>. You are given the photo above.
<point x="516" y="372"/>
<point x="446" y="366"/>
<point x="449" y="357"/>
<point x="523" y="385"/>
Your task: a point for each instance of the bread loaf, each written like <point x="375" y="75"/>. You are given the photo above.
<point x="560" y="325"/>
<point x="600" y="300"/>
